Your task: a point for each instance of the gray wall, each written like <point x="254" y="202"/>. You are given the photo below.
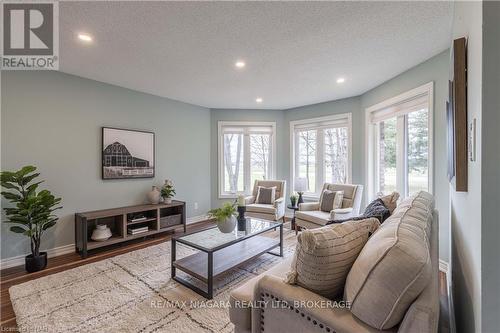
<point x="53" y="120"/>
<point x="434" y="70"/>
<point x="466" y="206"/>
<point x="490" y="246"/>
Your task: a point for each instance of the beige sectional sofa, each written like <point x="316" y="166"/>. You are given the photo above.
<point x="392" y="286"/>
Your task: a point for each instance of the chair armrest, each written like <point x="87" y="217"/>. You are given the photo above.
<point x="284" y="308"/>
<point x="249" y="200"/>
<point x="309" y="206"/>
<point x="278" y="201"/>
<point x="342" y="213"/>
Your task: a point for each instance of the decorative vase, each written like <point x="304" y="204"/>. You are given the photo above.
<point x="227" y="225"/>
<point x="167" y="200"/>
<point x="242" y="221"/>
<point x="154" y="196"/>
<point x="293" y="201"/>
<point x="101" y="233"/>
<point x="35" y="264"/>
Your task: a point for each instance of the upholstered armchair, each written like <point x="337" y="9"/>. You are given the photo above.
<point x="274" y="211"/>
<point x="310" y="216"/>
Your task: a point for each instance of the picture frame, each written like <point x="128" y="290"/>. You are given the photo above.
<point x="456" y="112"/>
<point x="127" y="153"/>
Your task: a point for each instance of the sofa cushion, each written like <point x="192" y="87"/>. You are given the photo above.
<point x="266" y="195"/>
<point x="394" y="266"/>
<point x="315" y="216"/>
<point x="261" y="208"/>
<point x="324" y="256"/>
<point x="330" y="200"/>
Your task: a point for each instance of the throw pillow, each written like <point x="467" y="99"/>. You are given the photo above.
<point x="266" y="195"/>
<point x="390" y="201"/>
<point x="324" y="256"/>
<point x="375" y="209"/>
<point x="331" y="200"/>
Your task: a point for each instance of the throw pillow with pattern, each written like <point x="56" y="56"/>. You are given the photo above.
<point x="266" y="195"/>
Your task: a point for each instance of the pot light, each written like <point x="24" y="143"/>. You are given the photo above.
<point x="340" y="80"/>
<point x="259" y="99"/>
<point x="85" y="37"/>
<point x="240" y="64"/>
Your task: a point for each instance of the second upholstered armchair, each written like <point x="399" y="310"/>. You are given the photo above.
<point x="263" y="204"/>
<point x="311" y="215"/>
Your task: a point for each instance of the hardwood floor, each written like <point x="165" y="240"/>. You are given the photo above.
<point x="16" y="275"/>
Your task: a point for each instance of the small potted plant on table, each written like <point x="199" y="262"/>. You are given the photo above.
<point x="31" y="213"/>
<point x="225" y="216"/>
<point x="168" y="191"/>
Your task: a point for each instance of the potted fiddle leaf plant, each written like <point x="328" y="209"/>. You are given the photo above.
<point x="31" y="212"/>
<point x="225" y="216"/>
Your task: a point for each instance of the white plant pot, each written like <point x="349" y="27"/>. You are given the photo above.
<point x="167" y="200"/>
<point x="228" y="225"/>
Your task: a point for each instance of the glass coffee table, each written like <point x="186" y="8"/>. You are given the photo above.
<point x="219" y="252"/>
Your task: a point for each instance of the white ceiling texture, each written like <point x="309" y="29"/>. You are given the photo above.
<point x="294" y="51"/>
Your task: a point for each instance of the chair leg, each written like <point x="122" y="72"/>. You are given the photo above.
<point x="284" y="219"/>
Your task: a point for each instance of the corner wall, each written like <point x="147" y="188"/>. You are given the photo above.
<point x="466" y="206"/>
<point x="53" y="120"/>
<point x="490" y="245"/>
<point x="434" y="70"/>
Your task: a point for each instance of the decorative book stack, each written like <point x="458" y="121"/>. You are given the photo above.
<point x="138" y="230"/>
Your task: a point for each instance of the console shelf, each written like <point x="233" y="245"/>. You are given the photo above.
<point x="158" y="218"/>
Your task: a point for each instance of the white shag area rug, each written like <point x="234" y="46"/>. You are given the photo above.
<point x="132" y="292"/>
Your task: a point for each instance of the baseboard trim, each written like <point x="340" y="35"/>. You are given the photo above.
<point x="196" y="219"/>
<point x="70" y="248"/>
<point x="444" y="266"/>
<point x="19" y="260"/>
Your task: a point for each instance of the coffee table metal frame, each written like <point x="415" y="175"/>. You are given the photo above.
<point x="209" y="279"/>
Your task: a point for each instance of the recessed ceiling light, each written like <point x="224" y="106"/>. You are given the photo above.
<point x="259" y="99"/>
<point x="240" y="64"/>
<point x="85" y="37"/>
<point x="340" y="80"/>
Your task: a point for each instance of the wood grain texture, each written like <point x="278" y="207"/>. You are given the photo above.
<point x="226" y="258"/>
<point x="16" y="275"/>
<point x="460" y="99"/>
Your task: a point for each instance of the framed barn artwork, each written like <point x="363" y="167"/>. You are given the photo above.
<point x="127" y="153"/>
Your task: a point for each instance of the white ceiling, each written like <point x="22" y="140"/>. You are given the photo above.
<point x="294" y="51"/>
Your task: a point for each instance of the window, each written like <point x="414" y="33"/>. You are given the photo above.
<point x="321" y="150"/>
<point x="246" y="153"/>
<point x="400" y="144"/>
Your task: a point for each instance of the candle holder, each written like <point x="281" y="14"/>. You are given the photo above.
<point x="242" y="221"/>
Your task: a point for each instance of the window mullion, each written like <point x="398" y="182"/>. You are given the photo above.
<point x="320" y="160"/>
<point x="400" y="156"/>
<point x="246" y="163"/>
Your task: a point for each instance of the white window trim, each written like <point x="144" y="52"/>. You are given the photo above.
<point x="220" y="163"/>
<point x="426" y="89"/>
<point x="296" y="123"/>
